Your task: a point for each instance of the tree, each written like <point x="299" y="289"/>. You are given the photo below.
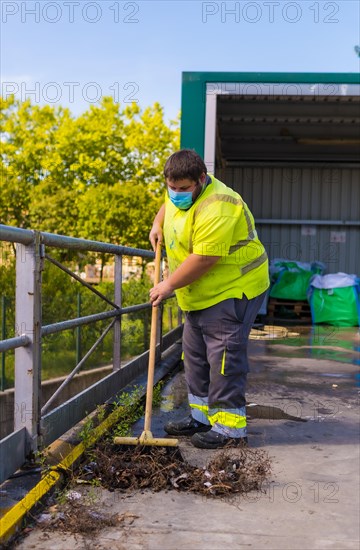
<point x="121" y="214"/>
<point x="98" y="176"/>
<point x="151" y="142"/>
<point x="118" y="214"/>
<point x="27" y="138"/>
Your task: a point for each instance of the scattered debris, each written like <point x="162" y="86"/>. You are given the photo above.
<point x="128" y="469"/>
<point x="160" y="468"/>
<point x="44" y="518"/>
<point x="127" y="518"/>
<point x="73" y="495"/>
<point x="76" y="517"/>
<point x="124" y="468"/>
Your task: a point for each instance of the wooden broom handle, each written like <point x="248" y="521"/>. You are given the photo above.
<point x="152" y="349"/>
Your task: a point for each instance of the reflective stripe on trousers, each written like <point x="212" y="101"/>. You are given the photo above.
<point x="215" y="358"/>
<point x="199" y="408"/>
<point x="231" y="422"/>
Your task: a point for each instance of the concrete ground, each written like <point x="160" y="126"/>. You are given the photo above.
<point x="303" y="400"/>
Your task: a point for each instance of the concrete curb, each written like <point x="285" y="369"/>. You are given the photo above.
<point x="12" y="521"/>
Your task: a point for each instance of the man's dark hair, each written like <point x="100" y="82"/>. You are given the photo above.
<point x="184" y="164"/>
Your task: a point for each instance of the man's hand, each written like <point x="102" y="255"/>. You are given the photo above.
<point x="156" y="235"/>
<point x="159" y="292"/>
<point x="189" y="271"/>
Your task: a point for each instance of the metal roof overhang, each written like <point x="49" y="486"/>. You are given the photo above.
<point x="288" y="128"/>
<point x="271" y="117"/>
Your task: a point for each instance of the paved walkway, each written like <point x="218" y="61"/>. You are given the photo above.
<point x="312" y="499"/>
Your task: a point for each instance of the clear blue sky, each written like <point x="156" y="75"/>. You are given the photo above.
<point x="73" y="51"/>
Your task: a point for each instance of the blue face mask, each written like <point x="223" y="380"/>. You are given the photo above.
<point x="181" y="199"/>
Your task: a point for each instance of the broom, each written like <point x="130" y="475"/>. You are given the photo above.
<point x="146" y="438"/>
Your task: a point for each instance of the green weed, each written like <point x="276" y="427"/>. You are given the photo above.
<point x="157" y="394"/>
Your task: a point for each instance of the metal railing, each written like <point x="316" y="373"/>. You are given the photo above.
<point x="35" y="426"/>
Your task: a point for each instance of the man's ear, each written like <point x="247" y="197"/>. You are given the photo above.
<point x="203" y="177"/>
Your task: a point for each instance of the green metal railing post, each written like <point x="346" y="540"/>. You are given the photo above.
<point x="78" y="331"/>
<point x="3" y="337"/>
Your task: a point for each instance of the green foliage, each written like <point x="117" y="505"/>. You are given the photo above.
<point x="88" y="425"/>
<point x="60" y="294"/>
<point x="100" y="413"/>
<point x="132" y="405"/>
<point x="28" y="138"/>
<point x="157" y="394"/>
<point x="59" y="349"/>
<point x="120" y="214"/>
<point x="136" y="291"/>
<point x="7" y="288"/>
<point x="98" y="176"/>
<point x="151" y="142"/>
<point x="85" y="433"/>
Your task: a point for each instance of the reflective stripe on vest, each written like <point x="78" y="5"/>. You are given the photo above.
<point x="227" y="198"/>
<point x="240" y="250"/>
<point x="252" y="233"/>
<point x="255" y="263"/>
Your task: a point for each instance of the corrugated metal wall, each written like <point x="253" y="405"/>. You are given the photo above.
<point x="304" y="193"/>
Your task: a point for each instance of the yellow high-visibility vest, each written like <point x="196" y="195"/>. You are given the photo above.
<point x="219" y="223"/>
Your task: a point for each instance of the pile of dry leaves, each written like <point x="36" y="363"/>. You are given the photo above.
<point x="78" y="517"/>
<point x="157" y="468"/>
<point x="124" y="468"/>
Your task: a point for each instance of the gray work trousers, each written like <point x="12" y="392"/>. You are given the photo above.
<point x="215" y="343"/>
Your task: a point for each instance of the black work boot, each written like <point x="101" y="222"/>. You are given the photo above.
<point x="215" y="440"/>
<point x="186" y="426"/>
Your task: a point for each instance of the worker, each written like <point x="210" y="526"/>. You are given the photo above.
<point x="219" y="272"/>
